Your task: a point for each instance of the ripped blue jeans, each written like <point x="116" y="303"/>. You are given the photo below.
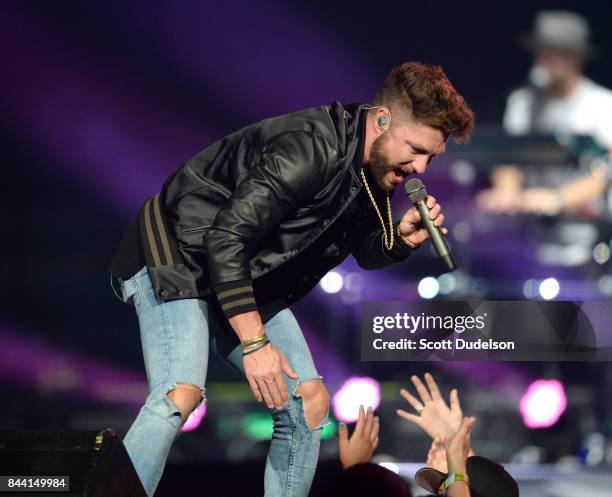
<point x="176" y="337"/>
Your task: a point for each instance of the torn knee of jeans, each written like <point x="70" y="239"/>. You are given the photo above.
<point x="299" y="383"/>
<point x="185" y="399"/>
<point x="315" y="398"/>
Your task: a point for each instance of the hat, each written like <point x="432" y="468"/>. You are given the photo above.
<point x="367" y="479"/>
<point x="560" y="29"/>
<point x="486" y="479"/>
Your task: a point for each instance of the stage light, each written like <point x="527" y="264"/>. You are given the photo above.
<point x="330" y="430"/>
<point x="529" y="288"/>
<point x="258" y="425"/>
<point x="543" y="403"/>
<point x="428" y="287"/>
<point x="195" y="418"/>
<point x="332" y="282"/>
<point x="462" y="231"/>
<point x="353" y="282"/>
<point x="601" y="253"/>
<point x="463" y="172"/>
<point x="447" y="283"/>
<point x="353" y="393"/>
<point x="549" y="288"/>
<point x="351" y="289"/>
<point x="605" y="284"/>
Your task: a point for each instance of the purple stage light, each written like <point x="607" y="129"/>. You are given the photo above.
<point x="543" y="403"/>
<point x="48" y="368"/>
<point x="105" y="133"/>
<point x="186" y="37"/>
<point x="195" y="418"/>
<point x="355" y="392"/>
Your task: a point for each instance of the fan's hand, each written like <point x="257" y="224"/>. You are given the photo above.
<point x="434" y="416"/>
<point x="362" y="443"/>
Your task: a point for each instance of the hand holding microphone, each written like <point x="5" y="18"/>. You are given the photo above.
<point x="424" y="221"/>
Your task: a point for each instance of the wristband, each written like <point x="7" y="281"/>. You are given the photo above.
<point x="453" y="477"/>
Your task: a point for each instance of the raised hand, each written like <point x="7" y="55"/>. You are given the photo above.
<point x="458" y="447"/>
<point x="362" y="443"/>
<point x="434" y="416"/>
<point x="436" y="457"/>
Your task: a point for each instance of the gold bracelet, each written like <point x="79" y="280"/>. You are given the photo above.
<point x="404" y="239"/>
<point x="256" y="347"/>
<point x="254" y="341"/>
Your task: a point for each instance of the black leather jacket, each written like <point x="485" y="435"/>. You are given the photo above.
<point x="258" y="217"/>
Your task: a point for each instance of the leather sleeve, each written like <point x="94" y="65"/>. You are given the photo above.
<point x="371" y="253"/>
<point x="291" y="171"/>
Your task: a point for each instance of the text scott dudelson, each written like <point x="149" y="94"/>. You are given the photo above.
<point x="448" y="344"/>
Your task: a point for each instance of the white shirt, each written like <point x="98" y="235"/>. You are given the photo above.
<point x="586" y="111"/>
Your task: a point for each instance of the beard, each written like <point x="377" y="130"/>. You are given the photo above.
<point x="379" y="162"/>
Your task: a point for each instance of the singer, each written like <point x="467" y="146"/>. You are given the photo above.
<point x="246" y="228"/>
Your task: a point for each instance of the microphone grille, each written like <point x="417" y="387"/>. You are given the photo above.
<point x="415" y="189"/>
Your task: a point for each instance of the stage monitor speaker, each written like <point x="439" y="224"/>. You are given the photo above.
<point x="95" y="462"/>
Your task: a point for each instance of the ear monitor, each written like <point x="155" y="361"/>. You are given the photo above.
<point x="383" y="121"/>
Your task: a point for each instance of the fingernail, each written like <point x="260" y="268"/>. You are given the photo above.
<point x="342" y="425"/>
<point x="369" y="408"/>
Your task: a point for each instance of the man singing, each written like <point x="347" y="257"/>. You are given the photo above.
<point x="249" y="226"/>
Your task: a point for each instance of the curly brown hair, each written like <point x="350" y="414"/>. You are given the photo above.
<point x="423" y="91"/>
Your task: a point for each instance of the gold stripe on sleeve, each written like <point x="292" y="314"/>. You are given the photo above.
<point x="235" y="291"/>
<point x="150" y="235"/>
<point x="162" y="231"/>
<point x="237" y="303"/>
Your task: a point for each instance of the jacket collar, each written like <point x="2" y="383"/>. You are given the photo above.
<point x="349" y="126"/>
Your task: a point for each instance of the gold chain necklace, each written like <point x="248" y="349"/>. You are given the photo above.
<point x="387" y="239"/>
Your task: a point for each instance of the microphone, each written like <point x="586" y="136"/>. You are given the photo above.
<point x="415" y="189"/>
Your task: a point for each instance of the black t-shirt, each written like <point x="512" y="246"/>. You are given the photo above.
<point x="129" y="257"/>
